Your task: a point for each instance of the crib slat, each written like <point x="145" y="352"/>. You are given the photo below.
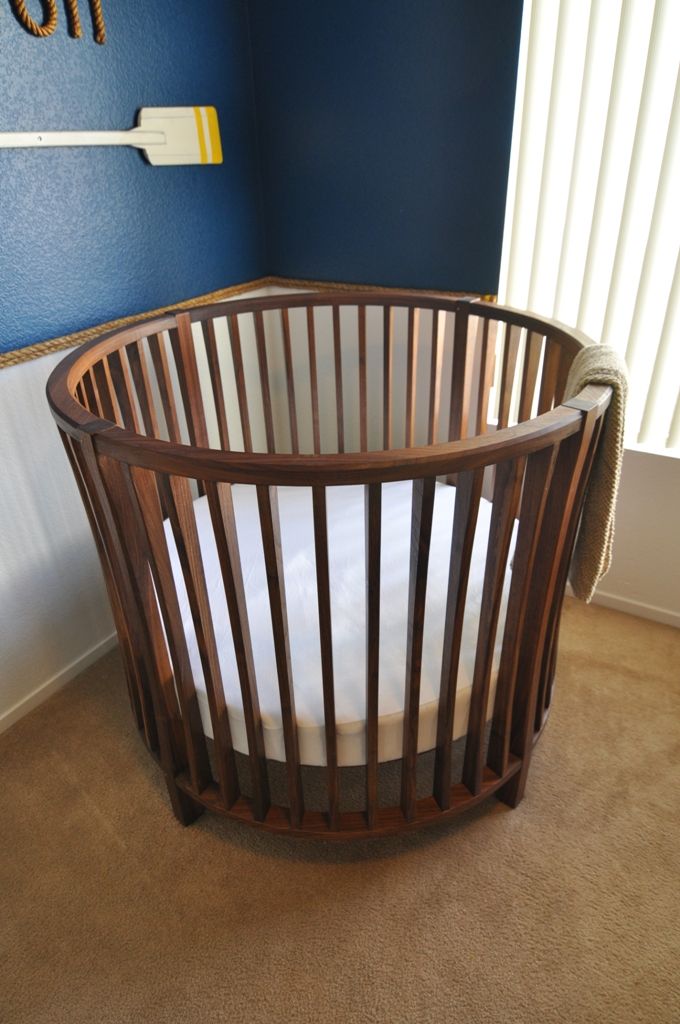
<point x="337" y="357"/>
<point x="372" y="519"/>
<point x="421" y="529"/>
<point x="537" y="481"/>
<point x="140" y="376"/>
<point x="557" y="534"/>
<point x="507" y="487"/>
<point x="221" y="505"/>
<point x="313" y="379"/>
<point x="261" y="344"/>
<point x="159" y="358"/>
<point x="532" y="357"/>
<point x="267" y="500"/>
<point x="551" y="367"/>
<point x="90" y="394"/>
<point x="104" y="390"/>
<point x="126" y="510"/>
<point x="436" y="361"/>
<point x="388" y="373"/>
<point x="122" y="387"/>
<point x="177" y="499"/>
<point x="144" y="483"/>
<point x="240" y="378"/>
<point x="326" y="640"/>
<point x="212" y="353"/>
<point x="548" y="668"/>
<point x="486" y="368"/>
<point x="510" y="352"/>
<point x="290" y="382"/>
<point x="562" y="374"/>
<point x="460" y="398"/>
<point x="411" y="374"/>
<point x="363" y="415"/>
<point x="468" y="495"/>
<point x="182" y="341"/>
<point x="97" y="525"/>
<point x="113" y="498"/>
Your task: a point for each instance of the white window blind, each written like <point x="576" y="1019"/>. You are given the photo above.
<point x="592" y="226"/>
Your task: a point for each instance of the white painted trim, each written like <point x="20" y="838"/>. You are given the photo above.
<point x="639" y="608"/>
<point x="46" y="689"/>
<point x="630" y="607"/>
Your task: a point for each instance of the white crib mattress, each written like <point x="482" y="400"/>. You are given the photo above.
<point x="345" y="507"/>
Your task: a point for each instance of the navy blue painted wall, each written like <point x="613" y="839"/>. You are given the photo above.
<point x="385" y="128"/>
<point x="89" y="235"/>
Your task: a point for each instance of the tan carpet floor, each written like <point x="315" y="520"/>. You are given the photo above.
<point x="566" y="909"/>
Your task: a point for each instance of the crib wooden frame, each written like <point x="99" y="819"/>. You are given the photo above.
<point x="138" y="411"/>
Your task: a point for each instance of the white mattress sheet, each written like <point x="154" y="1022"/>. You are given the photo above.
<point x="345" y="506"/>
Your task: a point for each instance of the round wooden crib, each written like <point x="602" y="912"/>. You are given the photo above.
<point x="335" y="530"/>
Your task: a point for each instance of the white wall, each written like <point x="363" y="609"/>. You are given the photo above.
<point x="54" y="612"/>
<point x="645" y="575"/>
<point x="55" y="616"/>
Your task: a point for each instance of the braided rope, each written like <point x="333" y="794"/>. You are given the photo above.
<point x="74" y="19"/>
<point x="44" y="348"/>
<point x="30" y="24"/>
<point x="98" y="19"/>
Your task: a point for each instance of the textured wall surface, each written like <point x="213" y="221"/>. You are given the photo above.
<point x="385" y="128"/>
<point x="92" y="234"/>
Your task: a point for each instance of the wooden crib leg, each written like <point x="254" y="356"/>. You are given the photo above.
<point x="513" y="791"/>
<point x="186" y="810"/>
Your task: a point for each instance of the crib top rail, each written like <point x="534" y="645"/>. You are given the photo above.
<point x="128" y="444"/>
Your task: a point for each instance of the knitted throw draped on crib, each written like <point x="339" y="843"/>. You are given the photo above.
<point x="599" y="364"/>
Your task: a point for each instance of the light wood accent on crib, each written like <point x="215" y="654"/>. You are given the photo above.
<point x="138" y="409"/>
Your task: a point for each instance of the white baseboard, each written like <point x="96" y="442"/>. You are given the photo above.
<point x="46" y="689"/>
<point x="639" y="608"/>
<point x="630" y="607"/>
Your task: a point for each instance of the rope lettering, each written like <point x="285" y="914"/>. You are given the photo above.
<point x="49" y="23"/>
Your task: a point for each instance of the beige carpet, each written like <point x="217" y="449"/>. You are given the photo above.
<point x="566" y="909"/>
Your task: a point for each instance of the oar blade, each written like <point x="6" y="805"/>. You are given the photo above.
<point x="192" y="135"/>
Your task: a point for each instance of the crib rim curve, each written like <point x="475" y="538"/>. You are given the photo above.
<point x="382" y="465"/>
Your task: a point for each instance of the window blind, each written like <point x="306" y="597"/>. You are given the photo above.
<point x="592" y="227"/>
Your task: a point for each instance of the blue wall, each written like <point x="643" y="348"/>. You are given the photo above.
<point x="385" y="128"/>
<point x="89" y="235"/>
<point x="373" y="147"/>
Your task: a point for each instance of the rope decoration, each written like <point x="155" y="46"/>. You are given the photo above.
<point x="50" y="23"/>
<point x="30" y="24"/>
<point x="44" y="348"/>
<point x="76" y="29"/>
<point x="98" y="20"/>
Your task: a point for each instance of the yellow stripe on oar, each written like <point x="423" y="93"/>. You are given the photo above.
<point x="201" y="136"/>
<point x="215" y="141"/>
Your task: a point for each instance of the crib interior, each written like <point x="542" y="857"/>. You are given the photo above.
<point x="328" y="376"/>
<point x="327" y="379"/>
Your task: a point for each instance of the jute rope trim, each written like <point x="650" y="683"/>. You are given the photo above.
<point x="31" y="25"/>
<point x="75" y="28"/>
<point x="44" y="348"/>
<point x="98" y="22"/>
<point x="50" y="23"/>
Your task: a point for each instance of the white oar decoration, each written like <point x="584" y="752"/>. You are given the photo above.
<point x="166" y="135"/>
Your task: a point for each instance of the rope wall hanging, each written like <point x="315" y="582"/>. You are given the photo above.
<point x="50" y="21"/>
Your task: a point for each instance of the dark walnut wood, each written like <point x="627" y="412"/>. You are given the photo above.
<point x="314" y="390"/>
